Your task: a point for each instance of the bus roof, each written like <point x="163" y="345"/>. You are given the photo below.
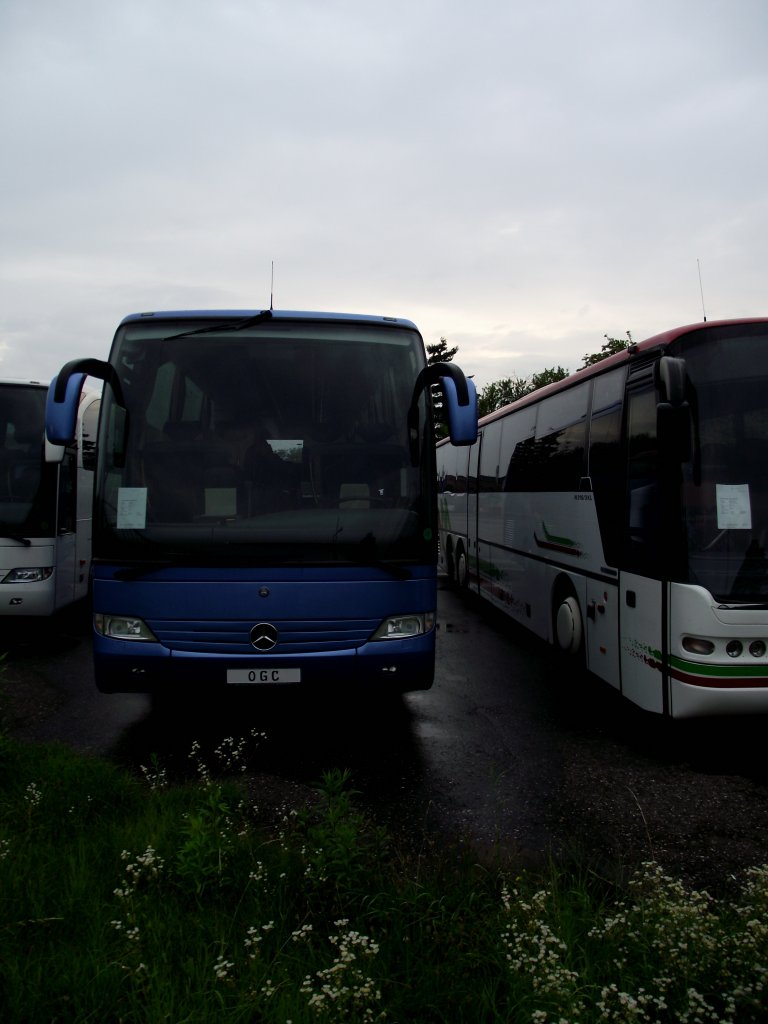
<point x="273" y="314"/>
<point x="657" y="341"/>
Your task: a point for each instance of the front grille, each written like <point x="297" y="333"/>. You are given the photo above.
<point x="234" y="637"/>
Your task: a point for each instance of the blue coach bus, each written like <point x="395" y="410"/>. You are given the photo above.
<point x="265" y="500"/>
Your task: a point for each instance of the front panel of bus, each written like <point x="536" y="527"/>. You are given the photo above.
<point x="718" y="637"/>
<point x="265" y="511"/>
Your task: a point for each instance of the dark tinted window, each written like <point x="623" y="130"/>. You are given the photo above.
<point x="725" y="484"/>
<point x="516" y="443"/>
<point x="553" y="460"/>
<point x="605" y="460"/>
<point x="290" y="440"/>
<point x="27" y="482"/>
<point x="643" y="539"/>
<point x="452" y="472"/>
<point x="490" y="470"/>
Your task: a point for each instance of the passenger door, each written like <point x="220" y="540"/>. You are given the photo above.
<point x="642" y="605"/>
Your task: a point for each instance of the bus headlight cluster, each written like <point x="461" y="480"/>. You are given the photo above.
<point x="733" y="648"/>
<point x="36" y="574"/>
<point x="400" y="627"/>
<point x="122" y="627"/>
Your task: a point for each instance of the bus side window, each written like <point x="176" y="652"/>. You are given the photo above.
<point x="67" y="493"/>
<point x="462" y="459"/>
<point x="517" y="440"/>
<point x="561" y="429"/>
<point x="446" y="480"/>
<point x="643" y="485"/>
<point x="605" y="467"/>
<point x="489" y="459"/>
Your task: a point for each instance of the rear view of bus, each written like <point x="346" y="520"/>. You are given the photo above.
<point x="265" y="501"/>
<point x="45" y="507"/>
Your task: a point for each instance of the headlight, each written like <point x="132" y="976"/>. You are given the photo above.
<point x="122" y="627"/>
<point x="399" y="627"/>
<point x="734" y="648"/>
<point x="25" y="575"/>
<point x="697" y="645"/>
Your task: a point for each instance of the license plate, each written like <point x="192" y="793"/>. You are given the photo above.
<point x="263" y="676"/>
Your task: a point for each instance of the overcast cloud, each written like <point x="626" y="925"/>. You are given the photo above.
<point x="520" y="177"/>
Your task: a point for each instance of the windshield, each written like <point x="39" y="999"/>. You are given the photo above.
<point x="286" y="442"/>
<point x="725" y="485"/>
<point x="27" y="484"/>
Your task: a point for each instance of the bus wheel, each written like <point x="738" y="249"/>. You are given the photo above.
<point x="462" y="571"/>
<point x="569" y="629"/>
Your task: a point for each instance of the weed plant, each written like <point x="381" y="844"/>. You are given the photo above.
<point x="128" y="899"/>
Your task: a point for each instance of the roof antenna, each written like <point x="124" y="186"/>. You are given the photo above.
<point x="272" y="288"/>
<point x="701" y="289"/>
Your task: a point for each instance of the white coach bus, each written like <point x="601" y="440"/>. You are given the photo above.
<point x="46" y="493"/>
<point x="621" y="514"/>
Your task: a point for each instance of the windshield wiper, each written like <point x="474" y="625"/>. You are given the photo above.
<point x="226" y="325"/>
<point x="17" y="537"/>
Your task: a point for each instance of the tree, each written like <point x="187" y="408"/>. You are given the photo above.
<point x="440" y="353"/>
<point x="548" y="376"/>
<point x="499" y="393"/>
<point x="611" y="346"/>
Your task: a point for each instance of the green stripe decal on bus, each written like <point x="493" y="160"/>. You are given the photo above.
<point x="564" y="545"/>
<point x="731" y="676"/>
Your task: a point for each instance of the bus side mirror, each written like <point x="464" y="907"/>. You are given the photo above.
<point x="462" y="419"/>
<point x="61" y="413"/>
<point x="459" y="401"/>
<point x="673" y="414"/>
<point x="671" y="378"/>
<point x="64" y="396"/>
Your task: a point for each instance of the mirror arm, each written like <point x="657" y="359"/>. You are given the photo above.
<point x="93" y="368"/>
<point x="432" y="373"/>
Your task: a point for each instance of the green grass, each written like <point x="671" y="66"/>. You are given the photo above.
<point x="129" y="899"/>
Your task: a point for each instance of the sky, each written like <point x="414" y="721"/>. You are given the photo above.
<point x="519" y="177"/>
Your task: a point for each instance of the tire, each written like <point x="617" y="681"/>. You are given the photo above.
<point x="569" y="626"/>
